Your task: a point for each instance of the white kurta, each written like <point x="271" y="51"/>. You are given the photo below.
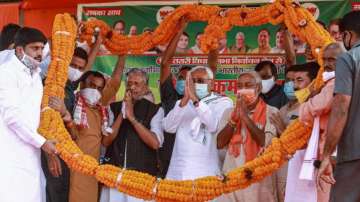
<point x="298" y="190"/>
<point x="195" y="156"/>
<point x="6" y="55"/>
<point x="20" y="99"/>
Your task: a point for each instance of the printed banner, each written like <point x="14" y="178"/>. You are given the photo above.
<point x="237" y="48"/>
<point x="228" y="69"/>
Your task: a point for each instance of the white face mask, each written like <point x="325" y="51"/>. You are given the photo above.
<point x="44" y="66"/>
<point x="74" y="74"/>
<point x="267" y="85"/>
<point x="328" y="75"/>
<point x="91" y="95"/>
<point x="201" y="90"/>
<point x="30" y="62"/>
<point x="46" y="51"/>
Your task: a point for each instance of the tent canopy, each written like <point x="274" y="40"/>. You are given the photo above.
<point x="55" y="4"/>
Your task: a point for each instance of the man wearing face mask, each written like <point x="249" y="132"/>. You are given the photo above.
<point x="137" y="133"/>
<point x="271" y="92"/>
<point x="76" y="69"/>
<point x="80" y="63"/>
<point x="343" y="125"/>
<point x="315" y="111"/>
<point x="169" y="93"/>
<point x="195" y="119"/>
<point x="280" y="121"/>
<point x="88" y="123"/>
<point x="297" y="77"/>
<point x="20" y="101"/>
<point x="246" y="134"/>
<point x="58" y="180"/>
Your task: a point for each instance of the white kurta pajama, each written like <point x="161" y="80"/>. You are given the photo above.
<point x="20" y="99"/>
<point x="195" y="154"/>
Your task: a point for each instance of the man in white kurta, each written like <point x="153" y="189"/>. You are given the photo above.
<point x="196" y="124"/>
<point x="20" y="98"/>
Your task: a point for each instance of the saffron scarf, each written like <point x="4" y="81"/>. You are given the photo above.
<point x="251" y="148"/>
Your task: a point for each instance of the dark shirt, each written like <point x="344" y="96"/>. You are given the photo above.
<point x="275" y="97"/>
<point x="128" y="148"/>
<point x="57" y="188"/>
<point x="169" y="96"/>
<point x="70" y="98"/>
<point x="347" y="82"/>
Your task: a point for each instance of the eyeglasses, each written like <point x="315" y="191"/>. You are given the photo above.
<point x="200" y="80"/>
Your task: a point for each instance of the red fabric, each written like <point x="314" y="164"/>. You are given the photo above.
<point x="40" y="13"/>
<point x="41" y="4"/>
<point x="42" y="19"/>
<point x="55" y="4"/>
<point x="251" y="148"/>
<point x="9" y="13"/>
<point x="80" y="107"/>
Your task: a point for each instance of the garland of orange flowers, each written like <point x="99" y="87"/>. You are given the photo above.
<point x="142" y="185"/>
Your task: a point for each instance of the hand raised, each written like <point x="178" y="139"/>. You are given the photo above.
<point x="277" y="121"/>
<point x="58" y="105"/>
<point x="242" y="108"/>
<point x="183" y="22"/>
<point x="186" y="96"/>
<point x="129" y="109"/>
<point x="191" y="88"/>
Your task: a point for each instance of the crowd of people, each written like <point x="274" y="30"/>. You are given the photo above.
<point x="194" y="132"/>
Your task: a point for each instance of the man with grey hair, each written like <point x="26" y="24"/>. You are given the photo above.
<point x="148" y="94"/>
<point x="301" y="186"/>
<point x="240" y="45"/>
<point x="137" y="133"/>
<point x="171" y="92"/>
<point x="246" y="134"/>
<point x="196" y="120"/>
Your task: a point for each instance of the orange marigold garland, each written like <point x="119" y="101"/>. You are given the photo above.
<point x="142" y="185"/>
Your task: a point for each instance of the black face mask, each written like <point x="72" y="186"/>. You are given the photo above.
<point x="348" y="45"/>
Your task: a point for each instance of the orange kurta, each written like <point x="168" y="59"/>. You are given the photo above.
<point x="85" y="188"/>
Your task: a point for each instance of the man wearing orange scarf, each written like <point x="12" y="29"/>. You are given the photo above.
<point x="246" y="134"/>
